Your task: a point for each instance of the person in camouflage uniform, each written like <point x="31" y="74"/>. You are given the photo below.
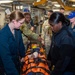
<point x="47" y="33"/>
<point x="27" y="31"/>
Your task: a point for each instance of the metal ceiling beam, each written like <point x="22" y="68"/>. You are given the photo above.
<point x="40" y="2"/>
<point x="65" y="6"/>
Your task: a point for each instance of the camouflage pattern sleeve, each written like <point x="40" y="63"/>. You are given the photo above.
<point x="29" y="33"/>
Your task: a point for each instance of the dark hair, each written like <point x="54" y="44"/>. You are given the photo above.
<point x="50" y="11"/>
<point x="17" y="15"/>
<point x="27" y="14"/>
<point x="57" y="17"/>
<point x="62" y="9"/>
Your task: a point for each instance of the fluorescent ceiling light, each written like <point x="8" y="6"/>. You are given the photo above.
<point x="17" y="7"/>
<point x="54" y="2"/>
<point x="57" y="5"/>
<point x="21" y="7"/>
<point x="55" y="9"/>
<point x="38" y="0"/>
<point x="73" y="5"/>
<point x="5" y="1"/>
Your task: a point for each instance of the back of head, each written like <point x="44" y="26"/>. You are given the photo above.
<point x="16" y="15"/>
<point x="57" y="17"/>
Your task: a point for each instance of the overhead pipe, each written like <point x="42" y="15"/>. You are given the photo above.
<point x="65" y="6"/>
<point x="40" y="2"/>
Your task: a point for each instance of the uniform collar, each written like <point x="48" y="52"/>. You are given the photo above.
<point x="9" y="31"/>
<point x="63" y="28"/>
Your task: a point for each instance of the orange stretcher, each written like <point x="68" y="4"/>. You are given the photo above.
<point x="38" y="64"/>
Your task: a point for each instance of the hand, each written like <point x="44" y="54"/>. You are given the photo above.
<point x="32" y="28"/>
<point x="22" y="60"/>
<point x="43" y="43"/>
<point x="39" y="39"/>
<point x="35" y="54"/>
<point x="29" y="56"/>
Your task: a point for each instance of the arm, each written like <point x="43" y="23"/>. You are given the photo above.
<point x="21" y="46"/>
<point x="6" y="57"/>
<point x="29" y="33"/>
<point x="65" y="52"/>
<point x="65" y="58"/>
<point x="43" y="33"/>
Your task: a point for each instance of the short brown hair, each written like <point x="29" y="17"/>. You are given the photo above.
<point x="17" y="15"/>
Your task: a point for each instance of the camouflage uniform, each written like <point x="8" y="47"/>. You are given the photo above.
<point x="46" y="35"/>
<point x="27" y="32"/>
